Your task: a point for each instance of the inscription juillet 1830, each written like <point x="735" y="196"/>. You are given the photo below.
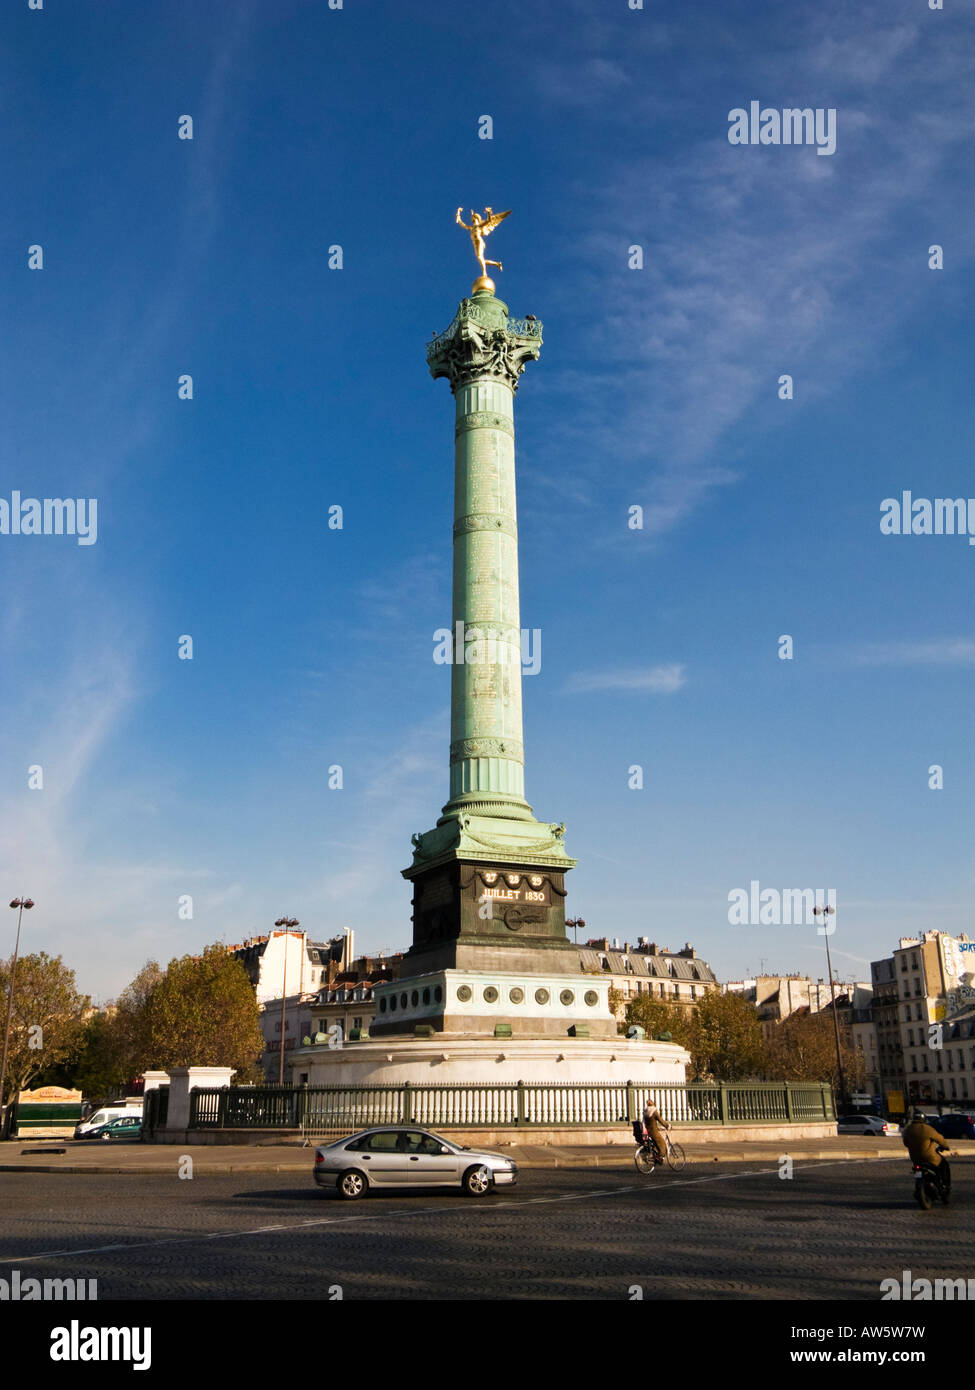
<point x="514" y="888"/>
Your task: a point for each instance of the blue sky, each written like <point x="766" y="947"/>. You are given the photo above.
<point x="656" y="387"/>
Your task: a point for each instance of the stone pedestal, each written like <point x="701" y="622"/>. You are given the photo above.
<point x="495" y="1004"/>
<point x="182" y="1080"/>
<point x="426" y="1062"/>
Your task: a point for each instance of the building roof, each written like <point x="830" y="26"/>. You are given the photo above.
<point x="641" y="965"/>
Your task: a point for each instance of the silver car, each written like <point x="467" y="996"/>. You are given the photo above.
<point x="403" y="1156"/>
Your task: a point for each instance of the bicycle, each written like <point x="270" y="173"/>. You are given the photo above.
<point x="646" y="1159"/>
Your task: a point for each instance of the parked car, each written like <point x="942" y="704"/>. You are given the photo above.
<point x="102" y="1116"/>
<point x="122" y="1127"/>
<point x="865" y="1124"/>
<point x="404" y="1156"/>
<point x="955" y="1125"/>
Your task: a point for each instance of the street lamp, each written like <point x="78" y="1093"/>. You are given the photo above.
<point x="824" y="912"/>
<point x="575" y="923"/>
<point x="19" y="904"/>
<point x="288" y="922"/>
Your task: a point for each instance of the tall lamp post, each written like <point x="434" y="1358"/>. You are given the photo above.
<point x="19" y="904"/>
<point x="824" y="912"/>
<point x="575" y="923"/>
<point x="287" y="922"/>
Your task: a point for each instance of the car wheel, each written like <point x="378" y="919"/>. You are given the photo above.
<point x="105" y="1136"/>
<point x="352" y="1185"/>
<point x="477" y="1181"/>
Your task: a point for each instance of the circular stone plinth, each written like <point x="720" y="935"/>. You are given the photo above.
<point x="441" y="1059"/>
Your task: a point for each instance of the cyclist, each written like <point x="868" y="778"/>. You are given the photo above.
<point x="924" y="1143"/>
<point x="655" y="1124"/>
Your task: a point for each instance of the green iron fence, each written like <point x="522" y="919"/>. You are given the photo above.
<point x="496" y="1105"/>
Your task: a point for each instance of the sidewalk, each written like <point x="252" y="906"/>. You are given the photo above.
<point x="41" y="1156"/>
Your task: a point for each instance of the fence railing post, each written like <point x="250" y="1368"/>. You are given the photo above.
<point x="520" y="1103"/>
<point x="788" y="1103"/>
<point x="407" y="1103"/>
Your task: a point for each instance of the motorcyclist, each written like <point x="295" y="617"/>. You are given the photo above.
<point x="655" y="1125"/>
<point x="924" y="1144"/>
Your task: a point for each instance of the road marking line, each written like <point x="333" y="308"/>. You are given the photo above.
<point x="420" y="1211"/>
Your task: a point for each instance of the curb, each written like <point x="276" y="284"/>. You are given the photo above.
<point x="574" y="1161"/>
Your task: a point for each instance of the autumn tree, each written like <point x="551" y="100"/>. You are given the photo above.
<point x="803" y="1048"/>
<point x="47" y="1019"/>
<point x="130" y="1030"/>
<point x="658" y="1016"/>
<point x="99" y="1066"/>
<point x="203" y="1012"/>
<point x="721" y="1032"/>
<point x="726" y="1043"/>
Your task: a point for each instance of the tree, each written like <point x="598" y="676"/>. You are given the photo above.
<point x="726" y="1041"/>
<point x="131" y="1028"/>
<point x="98" y="1067"/>
<point x="48" y="1018"/>
<point x="657" y="1016"/>
<point x="803" y="1048"/>
<point x="203" y="1012"/>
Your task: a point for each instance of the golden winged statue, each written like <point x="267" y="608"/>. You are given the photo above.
<point x="480" y="228"/>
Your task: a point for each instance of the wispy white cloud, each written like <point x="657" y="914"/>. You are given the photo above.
<point x="757" y="262"/>
<point x="657" y="680"/>
<point x="940" y="651"/>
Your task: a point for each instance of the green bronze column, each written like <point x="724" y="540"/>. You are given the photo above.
<point x="488" y="879"/>
<point x="482" y="355"/>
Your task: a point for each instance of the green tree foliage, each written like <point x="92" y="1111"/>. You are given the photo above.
<point x="658" y="1016"/>
<point x="47" y="1022"/>
<point x="131" y="1027"/>
<point x="99" y="1068"/>
<point x="727" y="1038"/>
<point x="721" y="1032"/>
<point x="203" y="1012"/>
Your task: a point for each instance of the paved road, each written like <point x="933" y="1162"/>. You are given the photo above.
<point x="730" y="1231"/>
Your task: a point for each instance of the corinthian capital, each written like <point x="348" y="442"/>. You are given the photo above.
<point x="483" y="342"/>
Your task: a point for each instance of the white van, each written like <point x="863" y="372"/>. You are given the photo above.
<point x="106" y="1113"/>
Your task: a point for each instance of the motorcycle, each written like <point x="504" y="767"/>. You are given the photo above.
<point x="930" y="1185"/>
